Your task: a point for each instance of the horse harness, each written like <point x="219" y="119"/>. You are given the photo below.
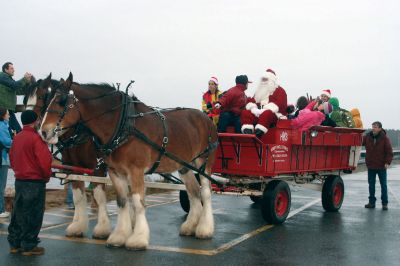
<point x="126" y="128"/>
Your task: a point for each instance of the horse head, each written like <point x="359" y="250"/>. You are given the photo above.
<point x="38" y="95"/>
<point x="62" y="112"/>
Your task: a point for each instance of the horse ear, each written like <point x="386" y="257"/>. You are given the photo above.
<point x="49" y="77"/>
<point x="68" y="82"/>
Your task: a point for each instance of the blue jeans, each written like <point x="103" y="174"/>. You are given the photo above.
<point x="382" y="174"/>
<point x="3" y="182"/>
<point x="229" y="119"/>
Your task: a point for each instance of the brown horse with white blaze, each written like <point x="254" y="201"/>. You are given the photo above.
<point x="81" y="152"/>
<point x="185" y="133"/>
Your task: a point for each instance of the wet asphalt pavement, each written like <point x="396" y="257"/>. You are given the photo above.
<point x="310" y="236"/>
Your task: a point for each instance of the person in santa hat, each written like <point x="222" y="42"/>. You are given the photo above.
<point x="210" y="98"/>
<point x="266" y="107"/>
<point x="326" y="95"/>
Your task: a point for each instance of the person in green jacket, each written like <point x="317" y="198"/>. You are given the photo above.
<point x="9" y="89"/>
<point x="340" y="116"/>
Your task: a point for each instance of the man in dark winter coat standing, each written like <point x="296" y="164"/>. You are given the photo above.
<point x="30" y="159"/>
<point x="379" y="155"/>
<point x="9" y="88"/>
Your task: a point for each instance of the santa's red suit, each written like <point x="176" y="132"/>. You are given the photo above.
<point x="266" y="107"/>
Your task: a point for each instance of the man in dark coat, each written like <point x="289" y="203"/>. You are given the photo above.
<point x="30" y="159"/>
<point x="232" y="104"/>
<point x="379" y="155"/>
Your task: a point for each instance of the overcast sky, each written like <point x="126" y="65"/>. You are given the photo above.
<point x="171" y="48"/>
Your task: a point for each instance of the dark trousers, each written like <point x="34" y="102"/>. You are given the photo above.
<point x="27" y="214"/>
<point x="382" y="174"/>
<point x="13" y="122"/>
<point x="229" y="119"/>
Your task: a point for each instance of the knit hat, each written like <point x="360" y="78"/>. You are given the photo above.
<point x="214" y="79"/>
<point x="335" y="103"/>
<point x="28" y="117"/>
<point x="327" y="108"/>
<point x="327" y="93"/>
<point x="242" y="79"/>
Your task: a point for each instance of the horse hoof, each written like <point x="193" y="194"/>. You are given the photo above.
<point x="78" y="235"/>
<point x="113" y="246"/>
<point x="103" y="237"/>
<point x="135" y="248"/>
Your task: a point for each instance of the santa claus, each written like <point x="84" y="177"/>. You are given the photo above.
<point x="266" y="107"/>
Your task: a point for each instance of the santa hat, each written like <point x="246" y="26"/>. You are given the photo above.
<point x="214" y="79"/>
<point x="270" y="74"/>
<point x="327" y="93"/>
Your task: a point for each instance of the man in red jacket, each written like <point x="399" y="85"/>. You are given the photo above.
<point x="30" y="159"/>
<point x="379" y="155"/>
<point x="232" y="104"/>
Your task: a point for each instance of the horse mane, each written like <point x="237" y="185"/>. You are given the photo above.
<point x="103" y="86"/>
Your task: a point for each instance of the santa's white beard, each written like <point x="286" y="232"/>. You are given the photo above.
<point x="264" y="90"/>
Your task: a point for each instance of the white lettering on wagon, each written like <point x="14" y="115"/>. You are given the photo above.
<point x="279" y="153"/>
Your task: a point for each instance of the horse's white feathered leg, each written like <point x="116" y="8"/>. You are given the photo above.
<point x="141" y="234"/>
<point x="205" y="228"/>
<point x="103" y="228"/>
<point x="193" y="189"/>
<point x="124" y="226"/>
<point x="79" y="223"/>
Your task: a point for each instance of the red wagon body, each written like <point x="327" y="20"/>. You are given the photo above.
<point x="284" y="150"/>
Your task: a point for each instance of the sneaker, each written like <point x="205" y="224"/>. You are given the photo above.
<point x="247" y="131"/>
<point x="370" y="206"/>
<point x="71" y="206"/>
<point x="35" y="251"/>
<point x="4" y="214"/>
<point x="384" y="207"/>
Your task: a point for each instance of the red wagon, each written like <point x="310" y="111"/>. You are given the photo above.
<point x="262" y="168"/>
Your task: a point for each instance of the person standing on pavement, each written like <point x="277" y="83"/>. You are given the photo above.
<point x="30" y="159"/>
<point x="379" y="155"/>
<point x="5" y="143"/>
<point x="9" y="89"/>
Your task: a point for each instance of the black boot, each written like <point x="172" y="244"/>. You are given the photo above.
<point x="370" y="205"/>
<point x="247" y="131"/>
<point x="259" y="133"/>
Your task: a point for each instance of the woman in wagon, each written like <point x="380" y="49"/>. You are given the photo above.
<point x="5" y="144"/>
<point x="210" y="98"/>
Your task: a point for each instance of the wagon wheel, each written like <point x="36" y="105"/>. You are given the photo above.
<point x="256" y="199"/>
<point x="184" y="200"/>
<point x="275" y="202"/>
<point x="332" y="193"/>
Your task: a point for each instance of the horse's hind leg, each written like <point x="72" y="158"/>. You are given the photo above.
<point x="124" y="226"/>
<point x="79" y="223"/>
<point x="193" y="189"/>
<point x="205" y="228"/>
<point x="103" y="228"/>
<point x="139" y="240"/>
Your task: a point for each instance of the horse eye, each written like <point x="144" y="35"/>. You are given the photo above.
<point x="63" y="100"/>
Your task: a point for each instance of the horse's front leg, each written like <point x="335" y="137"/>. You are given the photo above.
<point x="124" y="227"/>
<point x="103" y="228"/>
<point x="139" y="240"/>
<point x="79" y="223"/>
